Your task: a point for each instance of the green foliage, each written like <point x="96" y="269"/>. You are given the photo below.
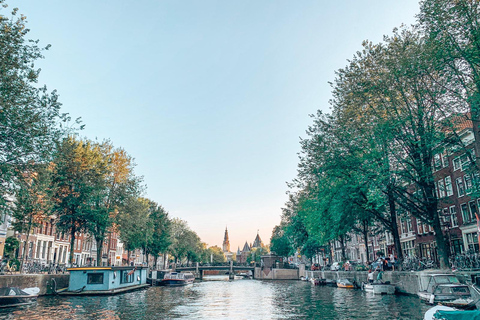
<point x="29" y="114"/>
<point x="214" y="255"/>
<point x="11" y="245"/>
<point x="186" y="245"/>
<point x="79" y="168"/>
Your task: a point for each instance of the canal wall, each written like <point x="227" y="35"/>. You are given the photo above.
<point x="404" y="281"/>
<point x="276" y="274"/>
<point x="46" y="282"/>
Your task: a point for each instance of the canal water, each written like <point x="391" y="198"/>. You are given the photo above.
<point x="239" y="299"/>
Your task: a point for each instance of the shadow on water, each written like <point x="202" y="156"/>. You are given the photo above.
<point x="240" y="299"/>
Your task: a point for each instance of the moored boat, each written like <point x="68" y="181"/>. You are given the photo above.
<point x="13" y="296"/>
<point x="173" y="279"/>
<point x="448" y="313"/>
<point x="379" y="288"/>
<point x="447" y="290"/>
<point x="105" y="280"/>
<point x="345" y="283"/>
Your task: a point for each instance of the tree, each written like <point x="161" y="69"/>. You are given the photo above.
<point x="452" y="30"/>
<point x="32" y="202"/>
<point x="160" y="240"/>
<point x="79" y="168"/>
<point x="185" y="243"/>
<point x="279" y="243"/>
<point x="118" y="184"/>
<point x="215" y="255"/>
<point x="133" y="223"/>
<point x="29" y="114"/>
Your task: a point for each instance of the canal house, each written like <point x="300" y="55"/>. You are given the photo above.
<point x="105" y="280"/>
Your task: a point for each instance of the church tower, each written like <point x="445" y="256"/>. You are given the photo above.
<point x="226" y="242"/>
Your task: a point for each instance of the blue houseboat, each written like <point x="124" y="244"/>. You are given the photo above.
<point x="105" y="280"/>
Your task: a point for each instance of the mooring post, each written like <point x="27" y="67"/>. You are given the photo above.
<point x="231" y="275"/>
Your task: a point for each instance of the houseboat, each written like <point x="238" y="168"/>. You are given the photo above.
<point x="447" y="290"/>
<point x="105" y="280"/>
<point x="13" y="296"/>
<point x="173" y="279"/>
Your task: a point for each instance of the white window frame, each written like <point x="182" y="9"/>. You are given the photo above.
<point x="457" y="180"/>
<point x="448" y="186"/>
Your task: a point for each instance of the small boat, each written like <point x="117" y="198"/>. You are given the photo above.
<point x="447" y="290"/>
<point x="330" y="283"/>
<point x="448" y="313"/>
<point x="13" y="296"/>
<point x="345" y="283"/>
<point x="173" y="279"/>
<point x="318" y="281"/>
<point x="378" y="288"/>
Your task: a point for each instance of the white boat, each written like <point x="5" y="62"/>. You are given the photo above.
<point x="448" y="313"/>
<point x="379" y="288"/>
<point x="13" y="296"/>
<point x="177" y="279"/>
<point x="430" y="312"/>
<point x="447" y="290"/>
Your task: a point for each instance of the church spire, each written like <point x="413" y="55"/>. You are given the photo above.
<point x="226" y="242"/>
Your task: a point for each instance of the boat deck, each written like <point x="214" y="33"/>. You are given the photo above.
<point x="103" y="292"/>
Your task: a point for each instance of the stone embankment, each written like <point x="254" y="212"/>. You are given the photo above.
<point x="405" y="282"/>
<point x="46" y="282"/>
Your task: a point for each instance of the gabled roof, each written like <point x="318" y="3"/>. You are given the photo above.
<point x="246" y="247"/>
<point x="257" y="243"/>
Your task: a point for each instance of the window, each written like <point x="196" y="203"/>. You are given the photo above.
<point x="472" y="241"/>
<point x="126" y="276"/>
<point x="409" y="225"/>
<point x="437" y="162"/>
<point x="445" y="160"/>
<point x="453" y="216"/>
<point x="460" y="187"/>
<point x="457" y="246"/>
<point x="465" y="161"/>
<point x="448" y="186"/>
<point x="456" y="164"/>
<point x="441" y="189"/>
<point x="445" y="216"/>
<point x="465" y="213"/>
<point x="95" y="278"/>
<point x="473" y="210"/>
<point x="468" y="183"/>
<point x="419" y="227"/>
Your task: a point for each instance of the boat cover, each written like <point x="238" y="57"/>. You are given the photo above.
<point x="457" y="315"/>
<point x="12" y="291"/>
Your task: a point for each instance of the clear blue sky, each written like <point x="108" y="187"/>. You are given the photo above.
<point x="209" y="97"/>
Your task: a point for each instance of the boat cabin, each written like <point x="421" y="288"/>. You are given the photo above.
<point x="106" y="279"/>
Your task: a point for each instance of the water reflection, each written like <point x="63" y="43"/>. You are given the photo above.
<point x="240" y="299"/>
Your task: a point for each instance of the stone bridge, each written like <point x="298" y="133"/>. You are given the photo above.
<point x="199" y="270"/>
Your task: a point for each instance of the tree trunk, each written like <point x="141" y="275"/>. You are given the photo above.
<point x="99" y="242"/>
<point x="394" y="225"/>
<point x="365" y="239"/>
<point x="441" y="243"/>
<point x="73" y="230"/>
<point x="342" y="246"/>
<point x="25" y="247"/>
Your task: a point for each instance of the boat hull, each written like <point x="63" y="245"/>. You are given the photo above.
<point x="445" y="300"/>
<point x="379" y="288"/>
<point x="175" y="282"/>
<point x="13" y="301"/>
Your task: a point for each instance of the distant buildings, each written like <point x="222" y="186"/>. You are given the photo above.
<point x="241" y="255"/>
